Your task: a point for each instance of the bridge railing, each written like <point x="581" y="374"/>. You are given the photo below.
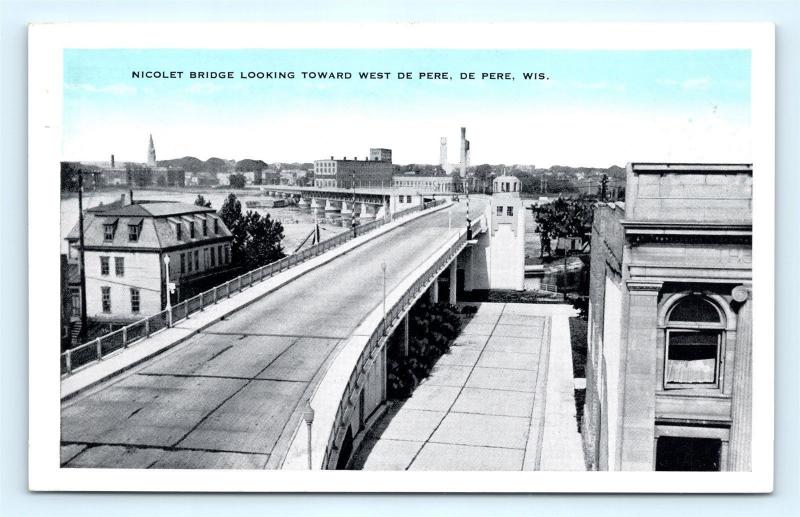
<point x="96" y="349"/>
<point x="373" y="346"/>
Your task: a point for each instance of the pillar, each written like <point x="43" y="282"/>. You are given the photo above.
<point x="435" y="290"/>
<point x="405" y="335"/>
<point x="637" y="431"/>
<point x="469" y="282"/>
<point x="740" y="446"/>
<point x="453" y="281"/>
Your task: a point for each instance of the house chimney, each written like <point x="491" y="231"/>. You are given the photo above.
<point x="123" y="199"/>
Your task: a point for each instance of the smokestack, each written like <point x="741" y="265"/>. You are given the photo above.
<point x="112" y="161"/>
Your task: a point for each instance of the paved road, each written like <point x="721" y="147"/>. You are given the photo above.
<point x="225" y="398"/>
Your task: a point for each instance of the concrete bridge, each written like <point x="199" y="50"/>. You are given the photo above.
<point x="229" y="387"/>
<point x="369" y="199"/>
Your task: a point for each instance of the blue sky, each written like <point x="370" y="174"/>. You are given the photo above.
<point x="597" y="108"/>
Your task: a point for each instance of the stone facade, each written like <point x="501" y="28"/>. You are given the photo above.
<point x="668" y="366"/>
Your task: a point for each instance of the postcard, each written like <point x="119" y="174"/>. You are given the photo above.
<point x="401" y="257"/>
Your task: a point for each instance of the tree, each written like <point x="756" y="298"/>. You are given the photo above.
<point x="201" y="201"/>
<point x="564" y="218"/>
<point x="237" y="181"/>
<point x="256" y="238"/>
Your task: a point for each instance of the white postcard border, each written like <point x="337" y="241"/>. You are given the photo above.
<point x="46" y="45"/>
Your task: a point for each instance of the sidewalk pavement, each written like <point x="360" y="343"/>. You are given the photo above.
<point x="495" y="401"/>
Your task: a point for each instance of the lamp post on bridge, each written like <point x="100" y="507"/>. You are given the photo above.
<point x="308" y="416"/>
<point x="353" y="215"/>
<point x="383" y="268"/>
<point x="469" y="222"/>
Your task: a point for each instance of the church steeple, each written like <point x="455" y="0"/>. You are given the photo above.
<point x="151" y="153"/>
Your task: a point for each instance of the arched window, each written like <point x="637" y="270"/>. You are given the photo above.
<point x="694" y="337"/>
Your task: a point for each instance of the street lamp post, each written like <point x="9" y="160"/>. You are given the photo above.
<point x="383" y="268"/>
<point x="308" y="416"/>
<point x="168" y="287"/>
<point x="353" y="215"/>
<point x="469" y="223"/>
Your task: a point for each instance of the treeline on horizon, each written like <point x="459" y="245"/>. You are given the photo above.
<point x="556" y="179"/>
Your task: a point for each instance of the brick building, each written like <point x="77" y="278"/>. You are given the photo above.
<point x="375" y="171"/>
<point x="668" y="369"/>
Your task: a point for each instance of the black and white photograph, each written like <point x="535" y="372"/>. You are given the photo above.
<point x="525" y="256"/>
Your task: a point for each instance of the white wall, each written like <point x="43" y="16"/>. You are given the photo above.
<point x="612" y="329"/>
<point x="141" y="271"/>
<point x="507" y="244"/>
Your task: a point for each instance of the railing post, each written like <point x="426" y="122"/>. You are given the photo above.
<point x="69" y="361"/>
<point x="99" y="347"/>
<point x="125" y="337"/>
<point x="201" y="301"/>
<point x="147" y="325"/>
<point x="215" y="295"/>
<point x="169" y="317"/>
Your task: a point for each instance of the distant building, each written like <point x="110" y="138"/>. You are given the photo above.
<point x="151" y="153"/>
<point x="506" y="235"/>
<point x="668" y="373"/>
<point x="340" y="173"/>
<point x="125" y="245"/>
<point x="377" y="154"/>
<point x="425" y="183"/>
<point x="292" y="177"/>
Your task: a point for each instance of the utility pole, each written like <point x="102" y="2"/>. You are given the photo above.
<point x="603" y="187"/>
<point x="469" y="223"/>
<point x="82" y="334"/>
<point x="353" y="216"/>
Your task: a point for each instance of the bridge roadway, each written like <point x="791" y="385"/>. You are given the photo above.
<point x="230" y="396"/>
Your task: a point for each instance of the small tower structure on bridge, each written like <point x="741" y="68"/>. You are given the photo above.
<point x="506" y="235"/>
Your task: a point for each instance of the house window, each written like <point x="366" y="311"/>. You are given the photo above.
<point x="205" y="228"/>
<point x="108" y="232"/>
<point x="227" y="254"/>
<point x="134" y="300"/>
<point x="75" y="300"/>
<point x="106" y="297"/>
<point x="191" y="230"/>
<point x="189" y="261"/>
<point x="694" y="337"/>
<point x="197" y="260"/>
<point x="510" y="211"/>
<point x="219" y="255"/>
<point x="408" y="199"/>
<point x="212" y="255"/>
<point x="119" y="266"/>
<point x="216" y="225"/>
<point x="183" y="263"/>
<point x="133" y="232"/>
<point x="179" y="231"/>
<point x="104" y="266"/>
<point x="499" y="210"/>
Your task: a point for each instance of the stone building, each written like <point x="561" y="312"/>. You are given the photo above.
<point x="668" y="369"/>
